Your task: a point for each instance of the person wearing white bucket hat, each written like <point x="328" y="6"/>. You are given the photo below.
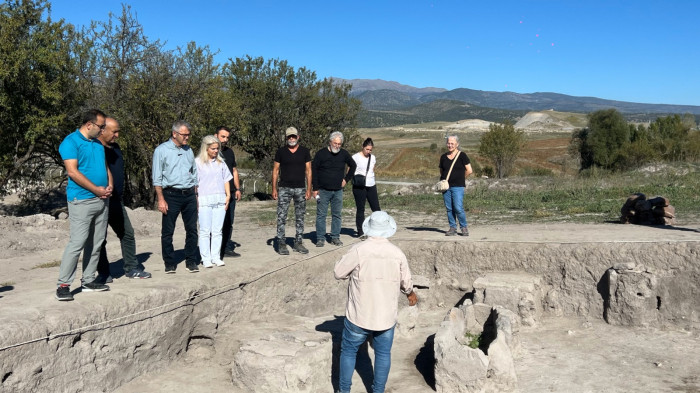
<point x="377" y="270"/>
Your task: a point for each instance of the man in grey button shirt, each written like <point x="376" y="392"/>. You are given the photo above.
<point x="175" y="181"/>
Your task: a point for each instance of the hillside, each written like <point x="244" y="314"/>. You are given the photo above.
<point x="551" y="121"/>
<point x="390" y="103"/>
<point x="437" y="110"/>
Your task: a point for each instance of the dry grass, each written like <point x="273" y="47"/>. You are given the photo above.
<point x="47" y="265"/>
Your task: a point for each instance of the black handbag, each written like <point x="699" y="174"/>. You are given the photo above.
<point x="361" y="180"/>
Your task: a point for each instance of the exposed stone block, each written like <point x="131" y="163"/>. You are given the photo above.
<point x="292" y="362"/>
<point x="519" y="292"/>
<point x="633" y="298"/>
<point x="460" y="368"/>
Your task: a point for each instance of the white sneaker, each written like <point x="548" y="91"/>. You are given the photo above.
<point x="207" y="264"/>
<point x="219" y="263"/>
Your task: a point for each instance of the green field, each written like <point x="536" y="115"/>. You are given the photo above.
<point x="558" y="194"/>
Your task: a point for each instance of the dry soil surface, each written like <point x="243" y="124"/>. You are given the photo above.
<point x="562" y="355"/>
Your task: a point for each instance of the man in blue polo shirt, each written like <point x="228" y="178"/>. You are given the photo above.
<point x="88" y="191"/>
<point x="175" y="181"/>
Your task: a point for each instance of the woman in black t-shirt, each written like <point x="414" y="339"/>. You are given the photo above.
<point x="454" y="196"/>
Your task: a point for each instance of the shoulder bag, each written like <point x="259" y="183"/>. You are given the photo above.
<point x="361" y="180"/>
<point x="444" y="185"/>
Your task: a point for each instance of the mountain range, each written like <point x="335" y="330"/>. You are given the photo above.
<point x="387" y="103"/>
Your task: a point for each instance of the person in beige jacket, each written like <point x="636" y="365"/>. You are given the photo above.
<point x="377" y="270"/>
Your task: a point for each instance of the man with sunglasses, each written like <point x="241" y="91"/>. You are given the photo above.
<point x="175" y="181"/>
<point x="292" y="166"/>
<point x="88" y="191"/>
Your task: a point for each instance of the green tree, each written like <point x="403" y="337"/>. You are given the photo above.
<point x="38" y="94"/>
<point x="502" y="144"/>
<point x="608" y="133"/>
<point x="146" y="89"/>
<point x="270" y="95"/>
<point x="670" y="134"/>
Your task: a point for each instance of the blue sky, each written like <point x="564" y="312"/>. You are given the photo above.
<point x="635" y="50"/>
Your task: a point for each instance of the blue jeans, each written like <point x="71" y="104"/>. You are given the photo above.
<point x="453" y="198"/>
<point x="353" y="337"/>
<point x="335" y="198"/>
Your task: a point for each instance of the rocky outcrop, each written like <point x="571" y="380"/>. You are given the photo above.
<point x="289" y="362"/>
<point x="633" y="296"/>
<point x="519" y="292"/>
<point x="463" y="367"/>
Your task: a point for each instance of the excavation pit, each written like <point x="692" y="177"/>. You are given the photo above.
<point x="186" y="330"/>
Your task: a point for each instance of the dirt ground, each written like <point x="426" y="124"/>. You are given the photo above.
<point x="562" y="355"/>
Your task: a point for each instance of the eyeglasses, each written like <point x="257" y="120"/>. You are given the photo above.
<point x="102" y="127"/>
<point x="183" y="135"/>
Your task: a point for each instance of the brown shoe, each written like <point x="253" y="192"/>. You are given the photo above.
<point x="451" y="232"/>
<point x="465" y="231"/>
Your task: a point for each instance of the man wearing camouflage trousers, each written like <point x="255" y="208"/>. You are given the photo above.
<point x="292" y="167"/>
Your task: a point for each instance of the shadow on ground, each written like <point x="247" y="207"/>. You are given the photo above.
<point x="363" y="363"/>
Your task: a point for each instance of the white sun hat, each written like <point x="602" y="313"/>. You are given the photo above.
<point x="379" y="224"/>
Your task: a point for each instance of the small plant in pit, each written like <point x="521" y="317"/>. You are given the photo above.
<point x="474" y="339"/>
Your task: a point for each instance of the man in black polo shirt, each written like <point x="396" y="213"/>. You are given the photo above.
<point x="222" y="134"/>
<point x="293" y="168"/>
<point x="118" y="219"/>
<point x="329" y="177"/>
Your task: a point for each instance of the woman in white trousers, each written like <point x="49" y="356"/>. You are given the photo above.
<point x="213" y="196"/>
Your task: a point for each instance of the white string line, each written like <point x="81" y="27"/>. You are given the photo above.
<point x="207" y="294"/>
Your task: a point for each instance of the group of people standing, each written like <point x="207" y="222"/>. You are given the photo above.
<point x="298" y="178"/>
<point x="205" y="189"/>
<point x="198" y="188"/>
<point x="201" y="190"/>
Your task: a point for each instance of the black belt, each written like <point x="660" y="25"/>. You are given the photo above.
<point x="179" y="191"/>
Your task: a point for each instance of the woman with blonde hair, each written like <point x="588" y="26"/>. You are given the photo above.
<point x="214" y="194"/>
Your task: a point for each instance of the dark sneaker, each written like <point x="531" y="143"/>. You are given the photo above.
<point x="95" y="287"/>
<point x="451" y="232"/>
<point x="169" y="269"/>
<point x="465" y="231"/>
<point x="192" y="268"/>
<point x="336" y="242"/>
<point x="299" y="247"/>
<point x="63" y="293"/>
<point x="138" y="273"/>
<point x="104" y="279"/>
<point x="231" y="253"/>
<point x="282" y="249"/>
<point x="320" y="243"/>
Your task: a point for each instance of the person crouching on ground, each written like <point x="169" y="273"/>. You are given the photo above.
<point x="377" y="270"/>
<point x="214" y="194"/>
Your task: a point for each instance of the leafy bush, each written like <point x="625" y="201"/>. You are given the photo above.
<point x="502" y="144"/>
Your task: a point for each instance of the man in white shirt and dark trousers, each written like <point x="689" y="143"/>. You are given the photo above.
<point x="377" y="270"/>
